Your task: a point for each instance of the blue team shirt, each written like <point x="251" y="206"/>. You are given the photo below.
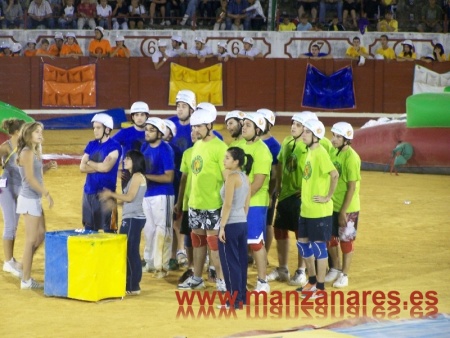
<point x="274" y="147"/>
<point x="178" y="155"/>
<point x="157" y="161"/>
<point x="97" y="151"/>
<point x="130" y="139"/>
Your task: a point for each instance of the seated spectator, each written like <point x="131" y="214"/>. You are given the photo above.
<point x="68" y="19"/>
<point x="104" y="12"/>
<point x="160" y="57"/>
<point x="44" y="49"/>
<point x="201" y="51"/>
<point x="40" y="14"/>
<point x="221" y="13"/>
<point x="315" y="54"/>
<point x="326" y="6"/>
<point x="287" y="25"/>
<point x="99" y="47"/>
<point x="136" y="15"/>
<point x="304" y="25"/>
<point x="388" y="24"/>
<point x="5" y="49"/>
<point x="236" y="10"/>
<point x="407" y="54"/>
<point x="120" y="50"/>
<point x="256" y="15"/>
<point x="335" y="26"/>
<point x="71" y="49"/>
<point x="13" y="13"/>
<point x="352" y="7"/>
<point x="159" y="5"/>
<point x="222" y="53"/>
<point x="55" y="48"/>
<point x="356" y="50"/>
<point x="385" y="51"/>
<point x="190" y="12"/>
<point x="237" y="25"/>
<point x="120" y="15"/>
<point x="305" y="6"/>
<point x="432" y="15"/>
<point x="86" y="14"/>
<point x="177" y="49"/>
<point x="438" y="54"/>
<point x="30" y="49"/>
<point x="249" y="51"/>
<point x="16" y="49"/>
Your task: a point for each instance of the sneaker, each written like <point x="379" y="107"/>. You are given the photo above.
<point x="191" y="284"/>
<point x="184" y="20"/>
<point x="212" y="275"/>
<point x="182" y="258"/>
<point x="332" y="275"/>
<point x="299" y="278"/>
<point x="188" y="273"/>
<point x="148" y="268"/>
<point x="220" y="285"/>
<point x="161" y="274"/>
<point x="306" y="287"/>
<point x="133" y="293"/>
<point x="151" y="22"/>
<point x="279" y="274"/>
<point x="313" y="293"/>
<point x="12" y="267"/>
<point x="163" y="23"/>
<point x="262" y="286"/>
<point x="30" y="284"/>
<point x="168" y="23"/>
<point x="173" y="264"/>
<point x="341" y="282"/>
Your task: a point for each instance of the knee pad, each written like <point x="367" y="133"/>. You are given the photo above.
<point x="256" y="247"/>
<point x="320" y="250"/>
<point x="198" y="240"/>
<point x="305" y="249"/>
<point x="347" y="247"/>
<point x="188" y="241"/>
<point x="213" y="242"/>
<point x="280" y="234"/>
<point x="333" y="242"/>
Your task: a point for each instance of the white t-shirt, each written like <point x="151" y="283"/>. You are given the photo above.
<point x="252" y="52"/>
<point x="176" y="52"/>
<point x="157" y="56"/>
<point x="69" y="11"/>
<point x="206" y="50"/>
<point x="104" y="12"/>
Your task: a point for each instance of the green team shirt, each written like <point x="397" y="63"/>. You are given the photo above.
<point x="262" y="164"/>
<point x="316" y="181"/>
<point x="292" y="158"/>
<point x="237" y="143"/>
<point x="207" y="167"/>
<point x="326" y="143"/>
<point x="185" y="168"/>
<point x="348" y="165"/>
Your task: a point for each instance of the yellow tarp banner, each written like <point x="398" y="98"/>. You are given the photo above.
<point x="206" y="83"/>
<point x="75" y="87"/>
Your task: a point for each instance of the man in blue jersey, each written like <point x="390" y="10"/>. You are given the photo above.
<point x="100" y="162"/>
<point x="186" y="104"/>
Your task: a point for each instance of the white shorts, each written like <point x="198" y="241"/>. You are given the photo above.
<point x="29" y="206"/>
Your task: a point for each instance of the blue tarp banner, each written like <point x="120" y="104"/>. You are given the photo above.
<point x="329" y="92"/>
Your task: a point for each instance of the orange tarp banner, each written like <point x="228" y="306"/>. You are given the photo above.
<point x="75" y="87"/>
<point x="206" y="83"/>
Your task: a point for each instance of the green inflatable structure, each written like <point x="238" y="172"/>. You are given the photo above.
<point x="7" y="111"/>
<point x="428" y="110"/>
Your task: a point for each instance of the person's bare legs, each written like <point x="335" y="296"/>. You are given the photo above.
<point x="34" y="236"/>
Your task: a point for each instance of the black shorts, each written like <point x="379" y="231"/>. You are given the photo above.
<point x="184" y="227"/>
<point x="315" y="229"/>
<point x="348" y="233"/>
<point x="308" y="6"/>
<point x="350" y="6"/>
<point x="288" y="212"/>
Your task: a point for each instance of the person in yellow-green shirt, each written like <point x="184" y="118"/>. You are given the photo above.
<point x="385" y="51"/>
<point x="388" y="24"/>
<point x="407" y="54"/>
<point x="319" y="182"/>
<point x="233" y="121"/>
<point x="286" y="25"/>
<point x="346" y="204"/>
<point x="356" y="50"/>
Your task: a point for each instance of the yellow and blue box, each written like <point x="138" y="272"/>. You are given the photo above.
<point x="85" y="265"/>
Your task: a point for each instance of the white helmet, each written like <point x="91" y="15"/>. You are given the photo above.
<point x="16" y="47"/>
<point x="316" y="127"/>
<point x="104" y="119"/>
<point x="235" y="114"/>
<point x="249" y="41"/>
<point x="344" y="129"/>
<point x="170" y="127"/>
<point x="257" y="119"/>
<point x="187" y="96"/>
<point x="268" y="115"/>
<point x="202" y="116"/>
<point x="304" y="116"/>
<point x="157" y="123"/>
<point x="139" y="107"/>
<point x="209" y="107"/>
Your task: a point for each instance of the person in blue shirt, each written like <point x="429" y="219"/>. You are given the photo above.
<point x="315" y="54"/>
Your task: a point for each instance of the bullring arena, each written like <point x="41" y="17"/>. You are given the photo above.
<point x="398" y="274"/>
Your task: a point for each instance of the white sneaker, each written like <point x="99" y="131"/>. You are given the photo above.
<point x="182" y="258"/>
<point x="148" y="268"/>
<point x="184" y="20"/>
<point x="341" y="282"/>
<point x="262" y="287"/>
<point x="30" y="284"/>
<point x="12" y="267"/>
<point x="279" y="274"/>
<point x="220" y="285"/>
<point x="299" y="278"/>
<point x="332" y="275"/>
<point x="168" y="23"/>
<point x="191" y="284"/>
